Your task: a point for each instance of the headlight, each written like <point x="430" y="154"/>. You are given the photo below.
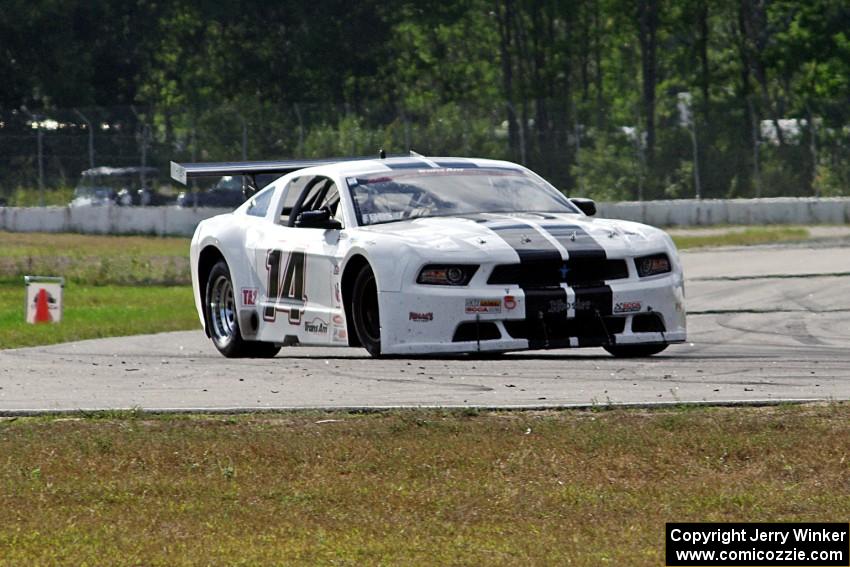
<point x="652" y="265"/>
<point x="438" y="274"/>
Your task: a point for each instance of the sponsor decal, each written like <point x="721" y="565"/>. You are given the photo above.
<point x="337" y="319"/>
<point x="510" y="302"/>
<point x="561" y="306"/>
<point x="249" y="296"/>
<point x="627" y="307"/>
<point x="383" y="216"/>
<point x="337" y="294"/>
<point x="483" y="306"/>
<point x="316" y="326"/>
<point x="421" y="317"/>
<point x="336" y="269"/>
<point x="340" y="335"/>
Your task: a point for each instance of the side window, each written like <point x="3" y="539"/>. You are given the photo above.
<point x="316" y="193"/>
<point x="293" y="191"/>
<point x="260" y="203"/>
<point x="331" y="201"/>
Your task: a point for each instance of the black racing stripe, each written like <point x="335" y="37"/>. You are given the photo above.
<point x="576" y="240"/>
<point x="530" y="245"/>
<point x="545" y="306"/>
<point x="594" y="296"/>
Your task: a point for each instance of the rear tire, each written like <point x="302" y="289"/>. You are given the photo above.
<point x="365" y="312"/>
<point x="634" y="351"/>
<point x="222" y="320"/>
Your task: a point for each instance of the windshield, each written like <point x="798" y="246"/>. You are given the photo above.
<point x="390" y="196"/>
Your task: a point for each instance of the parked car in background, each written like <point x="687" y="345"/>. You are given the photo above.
<point x="225" y="194"/>
<point x="124" y="186"/>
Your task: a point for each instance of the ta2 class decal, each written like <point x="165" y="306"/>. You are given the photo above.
<point x="627" y="307"/>
<point x="286" y="286"/>
<point x="249" y="296"/>
<point x="421" y="317"/>
<point x="317" y="326"/>
<point x="483" y="306"/>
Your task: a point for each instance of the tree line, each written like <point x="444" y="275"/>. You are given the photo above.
<point x="617" y="99"/>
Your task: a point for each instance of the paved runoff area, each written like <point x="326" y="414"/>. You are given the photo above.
<point x="765" y="324"/>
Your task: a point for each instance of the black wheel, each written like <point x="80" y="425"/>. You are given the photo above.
<point x="635" y="351"/>
<point x="364" y="311"/>
<point x="222" y="321"/>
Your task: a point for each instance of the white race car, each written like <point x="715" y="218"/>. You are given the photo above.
<point x="416" y="255"/>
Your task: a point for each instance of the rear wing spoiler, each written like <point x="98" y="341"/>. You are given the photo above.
<point x="183" y="172"/>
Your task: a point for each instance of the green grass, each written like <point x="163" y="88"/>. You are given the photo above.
<point x="95" y="260"/>
<point x="98" y="311"/>
<point x="32" y="197"/>
<point x="116" y="285"/>
<point x="743" y="237"/>
<point x="408" y="487"/>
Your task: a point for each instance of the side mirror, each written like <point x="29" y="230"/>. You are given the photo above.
<point x="317" y="219"/>
<point x="587" y="206"/>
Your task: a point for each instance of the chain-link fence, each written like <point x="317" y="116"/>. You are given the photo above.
<point x="43" y="154"/>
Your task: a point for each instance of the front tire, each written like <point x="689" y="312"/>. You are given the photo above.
<point x="222" y="320"/>
<point x="365" y="312"/>
<point x="634" y="351"/>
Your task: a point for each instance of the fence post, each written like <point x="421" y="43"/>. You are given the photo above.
<point x="91" y="137"/>
<point x="36" y="120"/>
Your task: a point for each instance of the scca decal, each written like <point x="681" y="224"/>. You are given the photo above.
<point x="421" y="317"/>
<point x="285" y="289"/>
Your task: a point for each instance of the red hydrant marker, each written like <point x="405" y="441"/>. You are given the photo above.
<point x="42" y="311"/>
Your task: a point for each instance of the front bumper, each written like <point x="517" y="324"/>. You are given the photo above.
<point x="423" y="319"/>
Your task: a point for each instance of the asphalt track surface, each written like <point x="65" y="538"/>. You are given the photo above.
<point x="765" y="324"/>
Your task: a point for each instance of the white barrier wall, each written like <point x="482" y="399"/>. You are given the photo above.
<point x="684" y="212"/>
<point x="708" y="212"/>
<point x="105" y="220"/>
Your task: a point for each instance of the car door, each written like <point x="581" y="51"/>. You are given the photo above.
<point x="299" y="267"/>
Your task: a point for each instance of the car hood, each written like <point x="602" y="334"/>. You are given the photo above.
<point x="474" y="234"/>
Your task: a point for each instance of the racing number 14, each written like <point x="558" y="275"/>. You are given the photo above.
<point x="286" y="292"/>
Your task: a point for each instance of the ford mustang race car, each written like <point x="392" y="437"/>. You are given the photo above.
<point x="416" y="255"/>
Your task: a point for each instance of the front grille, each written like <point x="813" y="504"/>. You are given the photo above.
<point x="577" y="272"/>
<point x="476" y="331"/>
<point x="583" y="326"/>
<point x="648" y="323"/>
